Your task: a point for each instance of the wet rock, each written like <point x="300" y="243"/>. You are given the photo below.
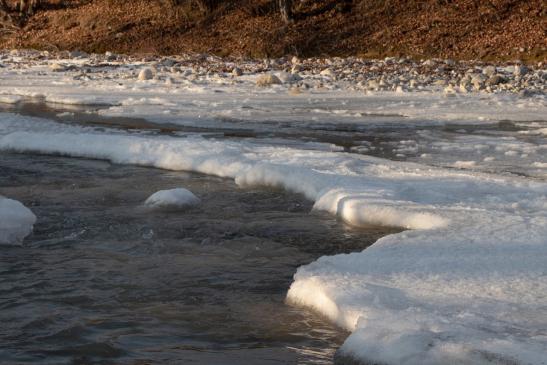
<point x="520" y="70"/>
<point x="495" y="80"/>
<point x="78" y="54"/>
<point x="167" y="62"/>
<point x="236" y="71"/>
<point x="109" y="56"/>
<point x="465" y="86"/>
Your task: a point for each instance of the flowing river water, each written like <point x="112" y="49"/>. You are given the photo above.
<point x="104" y="280"/>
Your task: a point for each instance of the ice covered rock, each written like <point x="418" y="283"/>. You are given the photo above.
<point x="146" y="74"/>
<point x="172" y="199"/>
<point x="16" y="221"/>
<point x="267" y="80"/>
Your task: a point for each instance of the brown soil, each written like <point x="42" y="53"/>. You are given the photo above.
<point x="460" y="29"/>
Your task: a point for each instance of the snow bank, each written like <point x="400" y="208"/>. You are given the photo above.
<point x="173" y="198"/>
<point x="16" y="221"/>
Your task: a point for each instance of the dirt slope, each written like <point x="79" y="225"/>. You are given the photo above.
<point x="462" y="29"/>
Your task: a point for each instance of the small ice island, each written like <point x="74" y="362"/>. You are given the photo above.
<point x="172" y="199"/>
<point x="16" y="221"/>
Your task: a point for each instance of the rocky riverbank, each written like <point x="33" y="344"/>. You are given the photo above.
<point x="298" y="75"/>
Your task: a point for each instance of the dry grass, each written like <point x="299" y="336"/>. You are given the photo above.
<point x="464" y="29"/>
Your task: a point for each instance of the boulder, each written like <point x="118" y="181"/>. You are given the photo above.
<point x="268" y="80"/>
<point x="146" y="74"/>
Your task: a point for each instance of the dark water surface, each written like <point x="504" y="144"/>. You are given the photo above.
<point x="103" y="280"/>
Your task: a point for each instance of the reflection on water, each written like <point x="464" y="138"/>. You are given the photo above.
<point x="103" y="280"/>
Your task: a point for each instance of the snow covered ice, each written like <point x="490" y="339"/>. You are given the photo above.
<point x="464" y="283"/>
<point x="173" y="198"/>
<point x="16" y="221"/>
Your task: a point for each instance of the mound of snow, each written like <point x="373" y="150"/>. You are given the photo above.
<point x="16" y="221"/>
<point x="173" y="198"/>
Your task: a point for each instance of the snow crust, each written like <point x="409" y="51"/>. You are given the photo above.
<point x="465" y="283"/>
<point x="16" y="221"/>
<point x="173" y="198"/>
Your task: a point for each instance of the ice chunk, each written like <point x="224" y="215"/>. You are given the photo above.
<point x="16" y="221"/>
<point x="174" y="198"/>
